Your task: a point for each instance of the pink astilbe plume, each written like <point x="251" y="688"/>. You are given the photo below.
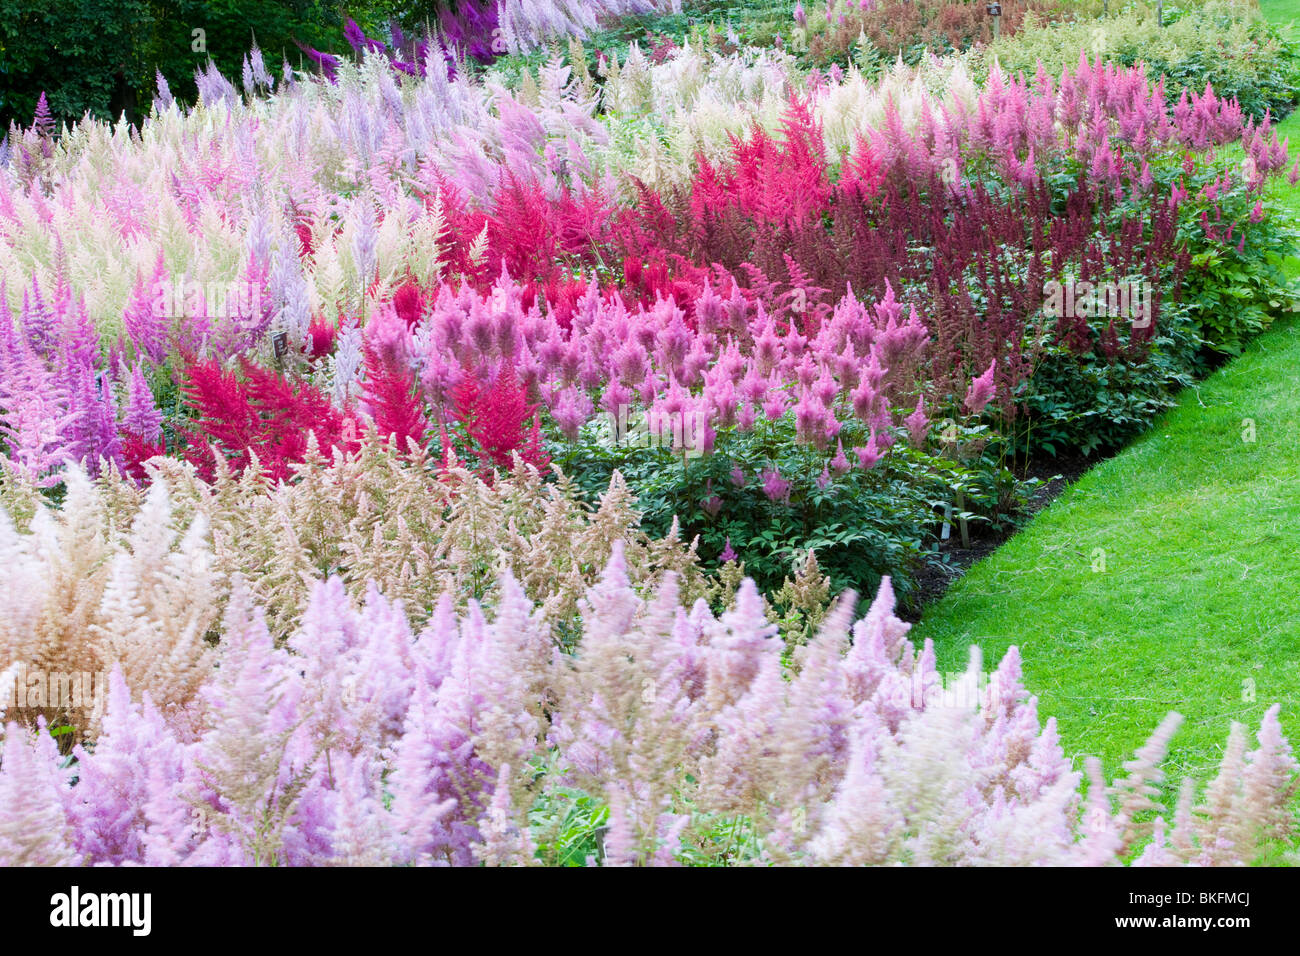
<point x="981" y="391"/>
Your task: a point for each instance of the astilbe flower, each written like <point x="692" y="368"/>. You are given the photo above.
<point x="774" y="486"/>
<point x="257" y="414"/>
<point x="496" y="419"/>
<point x="111" y="804"/>
<point x="675" y="720"/>
<point x="981" y="391"/>
<point x="141" y="416"/>
<point x="389" y="393"/>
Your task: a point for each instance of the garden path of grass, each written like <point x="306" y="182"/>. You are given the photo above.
<point x="1166" y="578"/>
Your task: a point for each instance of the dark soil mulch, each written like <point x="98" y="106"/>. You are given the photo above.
<point x="934" y="579"/>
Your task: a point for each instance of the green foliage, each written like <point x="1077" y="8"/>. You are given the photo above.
<point x="862" y="524"/>
<point x="101" y="58"/>
<point x="1087" y="403"/>
<point x="568" y="826"/>
<point x="1226" y="44"/>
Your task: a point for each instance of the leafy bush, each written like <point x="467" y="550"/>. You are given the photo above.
<point x="881" y="31"/>
<point x="1227" y="45"/>
<point x="764" y="498"/>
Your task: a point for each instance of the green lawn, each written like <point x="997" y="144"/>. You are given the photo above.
<point x="1166" y="578"/>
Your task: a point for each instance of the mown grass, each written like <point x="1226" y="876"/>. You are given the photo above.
<point x="1165" y="578"/>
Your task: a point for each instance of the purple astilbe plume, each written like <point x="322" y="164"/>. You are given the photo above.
<point x="329" y="643"/>
<point x="359" y="41"/>
<point x="257" y="67"/>
<point x="146" y="315"/>
<point x="488" y="709"/>
<point x="110" y="802"/>
<point x="505" y="842"/>
<point x="164" y="99"/>
<point x="328" y="63"/>
<point x="91" y="431"/>
<point x="214" y="88"/>
<point x="428" y="762"/>
<point x="40" y="322"/>
<point x="358" y="828"/>
<point x="36" y="419"/>
<point x="43" y="122"/>
<point x="141" y="416"/>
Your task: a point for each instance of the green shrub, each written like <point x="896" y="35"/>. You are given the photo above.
<point x="1226" y="44"/>
<point x="862" y="524"/>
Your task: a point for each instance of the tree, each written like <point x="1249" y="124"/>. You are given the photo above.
<point x="98" y="57"/>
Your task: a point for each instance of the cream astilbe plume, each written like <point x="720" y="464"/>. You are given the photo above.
<point x="159" y="604"/>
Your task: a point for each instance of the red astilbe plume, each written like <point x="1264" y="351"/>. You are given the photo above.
<point x="495" y="419"/>
<point x="391" y="396"/>
<point x="136" y="451"/>
<point x="258" y="412"/>
<point x="538" y="238"/>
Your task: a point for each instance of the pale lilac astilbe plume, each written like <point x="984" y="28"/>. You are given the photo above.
<point x="134" y="755"/>
<point x="34" y="825"/>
